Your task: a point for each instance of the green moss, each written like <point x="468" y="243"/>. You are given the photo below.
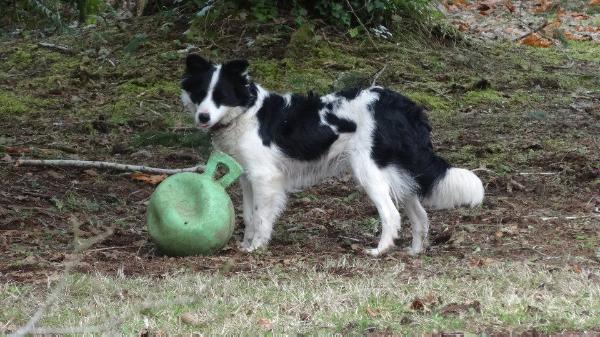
<point x="11" y="104"/>
<point x="430" y="101"/>
<point x="482" y="97"/>
<point x="20" y="59"/>
<point x="584" y="50"/>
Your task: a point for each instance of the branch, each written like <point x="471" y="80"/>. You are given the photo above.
<point x="106" y="165"/>
<point x="376" y="77"/>
<point x="362" y="24"/>
<point x="56" y="47"/>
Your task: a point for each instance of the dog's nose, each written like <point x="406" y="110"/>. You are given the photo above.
<point x="203" y="118"/>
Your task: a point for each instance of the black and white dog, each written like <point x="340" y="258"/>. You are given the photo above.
<point x="288" y="142"/>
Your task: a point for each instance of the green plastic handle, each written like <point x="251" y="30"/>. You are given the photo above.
<point x="234" y="170"/>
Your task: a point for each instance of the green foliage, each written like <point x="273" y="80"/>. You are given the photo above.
<point x="349" y="14"/>
<point x="49" y="14"/>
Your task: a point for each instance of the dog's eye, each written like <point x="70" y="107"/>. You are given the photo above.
<point x="198" y="96"/>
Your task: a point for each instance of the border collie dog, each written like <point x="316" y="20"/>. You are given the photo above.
<point x="288" y="142"/>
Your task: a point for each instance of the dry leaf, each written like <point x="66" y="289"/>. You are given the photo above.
<point x="265" y="323"/>
<point x="571" y="36"/>
<point x="594" y="3"/>
<point x="536" y="40"/>
<point x="550" y="28"/>
<point x="542" y="6"/>
<point x="190" y="319"/>
<point x="456" y="309"/>
<point x="372" y="312"/>
<point x="589" y="29"/>
<point x="152" y="179"/>
<point x="509" y="5"/>
<point x="16" y="149"/>
<point x="580" y="16"/>
<point x="453" y="5"/>
<point x="481" y="262"/>
<point x="417" y="305"/>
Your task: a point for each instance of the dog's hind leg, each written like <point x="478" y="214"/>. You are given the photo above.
<point x="377" y="186"/>
<point x="248" y="204"/>
<point x="419" y="225"/>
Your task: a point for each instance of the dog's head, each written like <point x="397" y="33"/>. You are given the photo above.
<point x="215" y="93"/>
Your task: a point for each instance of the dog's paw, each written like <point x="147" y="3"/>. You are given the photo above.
<point x="252" y="246"/>
<point x="372" y="252"/>
<point x="413" y="251"/>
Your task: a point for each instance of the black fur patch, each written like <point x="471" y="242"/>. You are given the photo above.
<point x="295" y="128"/>
<point x="402" y="138"/>
<point x="232" y="88"/>
<point x="196" y="82"/>
<point x="343" y="125"/>
<point x="350" y="93"/>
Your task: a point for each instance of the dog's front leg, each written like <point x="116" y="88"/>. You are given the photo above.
<point x="248" y="202"/>
<point x="269" y="199"/>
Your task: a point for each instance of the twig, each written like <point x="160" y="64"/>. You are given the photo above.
<point x="538" y="173"/>
<point x="376" y="77"/>
<point x="56" y="47"/>
<point x="106" y="165"/>
<point x="362" y="24"/>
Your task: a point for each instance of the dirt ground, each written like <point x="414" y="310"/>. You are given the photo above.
<point x="532" y="137"/>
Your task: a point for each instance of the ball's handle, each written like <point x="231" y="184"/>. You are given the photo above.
<point x="234" y="170"/>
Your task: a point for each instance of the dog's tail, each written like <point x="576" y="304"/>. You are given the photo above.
<point x="455" y="187"/>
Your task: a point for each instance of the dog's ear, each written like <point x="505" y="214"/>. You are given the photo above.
<point x="195" y="62"/>
<point x="237" y="67"/>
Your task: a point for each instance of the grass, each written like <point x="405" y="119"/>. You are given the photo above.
<point x="512" y="295"/>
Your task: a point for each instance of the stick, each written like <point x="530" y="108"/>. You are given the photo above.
<point x="538" y="173"/>
<point x="362" y="24"/>
<point x="106" y="165"/>
<point x="376" y="77"/>
<point x="56" y="47"/>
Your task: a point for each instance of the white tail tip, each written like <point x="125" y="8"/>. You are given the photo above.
<point x="459" y="187"/>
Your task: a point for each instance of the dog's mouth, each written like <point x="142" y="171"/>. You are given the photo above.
<point x="209" y="127"/>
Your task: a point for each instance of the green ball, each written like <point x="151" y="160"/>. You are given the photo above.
<point x="191" y="213"/>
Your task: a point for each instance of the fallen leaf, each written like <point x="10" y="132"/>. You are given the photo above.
<point x="590" y="29"/>
<point x="423" y="304"/>
<point x="55" y="175"/>
<point x="16" y="149"/>
<point x="580" y="16"/>
<point x="542" y="6"/>
<point x="594" y="3"/>
<point x="577" y="268"/>
<point x="190" y="319"/>
<point x="574" y="37"/>
<point x="417" y="305"/>
<point x="265" y="323"/>
<point x="550" y="28"/>
<point x="481" y="262"/>
<point x="453" y="5"/>
<point x="91" y="172"/>
<point x="372" y="312"/>
<point x="509" y="5"/>
<point x="535" y="40"/>
<point x="457" y="309"/>
<point x="151" y="179"/>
